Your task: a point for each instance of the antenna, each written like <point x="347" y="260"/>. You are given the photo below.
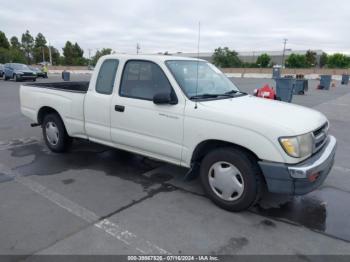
<point x="138" y="47"/>
<point x="198" y="45"/>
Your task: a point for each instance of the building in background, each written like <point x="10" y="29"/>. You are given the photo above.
<point x="252" y="56"/>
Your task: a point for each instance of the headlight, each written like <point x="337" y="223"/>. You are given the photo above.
<point x="298" y="146"/>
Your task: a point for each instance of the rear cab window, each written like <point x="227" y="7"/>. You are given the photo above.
<point x="106" y="76"/>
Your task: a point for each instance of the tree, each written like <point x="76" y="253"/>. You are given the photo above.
<point x="4" y="43"/>
<point x="40" y="50"/>
<point x="263" y="60"/>
<point x="17" y="56"/>
<point x="5" y="55"/>
<point x="68" y="53"/>
<point x="15" y="43"/>
<point x="323" y="60"/>
<point x="27" y="44"/>
<point x="296" y="61"/>
<point x="73" y="54"/>
<point x="104" y="51"/>
<point x="338" y="61"/>
<point x="311" y="58"/>
<point x="78" y="55"/>
<point x="55" y="54"/>
<point x="225" y="58"/>
<point x="40" y="40"/>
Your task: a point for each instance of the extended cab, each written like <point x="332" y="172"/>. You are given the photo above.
<point x="186" y="112"/>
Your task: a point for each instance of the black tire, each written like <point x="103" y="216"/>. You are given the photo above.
<point x="34" y="79"/>
<point x="5" y="77"/>
<point x="17" y="78"/>
<point x="63" y="141"/>
<point x="248" y="169"/>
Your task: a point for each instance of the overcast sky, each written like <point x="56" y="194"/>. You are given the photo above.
<point x="172" y="25"/>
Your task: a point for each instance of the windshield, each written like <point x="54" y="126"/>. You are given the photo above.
<point x="33" y="68"/>
<point x="210" y="80"/>
<point x="20" y="67"/>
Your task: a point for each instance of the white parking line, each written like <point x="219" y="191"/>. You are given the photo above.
<point x="115" y="230"/>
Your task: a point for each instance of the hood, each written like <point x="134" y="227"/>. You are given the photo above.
<point x="24" y="71"/>
<point x="251" y="112"/>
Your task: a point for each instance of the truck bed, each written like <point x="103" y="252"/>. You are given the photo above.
<point x="80" y="87"/>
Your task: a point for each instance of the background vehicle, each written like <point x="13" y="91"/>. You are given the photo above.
<point x="186" y="112"/>
<point x="1" y="70"/>
<point x="38" y="72"/>
<point x="18" y="72"/>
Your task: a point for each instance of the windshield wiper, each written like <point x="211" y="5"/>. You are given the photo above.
<point x="230" y="93"/>
<point x="204" y="96"/>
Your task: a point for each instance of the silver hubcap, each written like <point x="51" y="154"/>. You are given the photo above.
<point x="226" y="181"/>
<point x="52" y="133"/>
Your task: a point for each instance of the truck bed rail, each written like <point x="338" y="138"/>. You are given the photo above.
<point x="77" y="86"/>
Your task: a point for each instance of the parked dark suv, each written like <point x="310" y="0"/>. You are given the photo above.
<point x="18" y="72"/>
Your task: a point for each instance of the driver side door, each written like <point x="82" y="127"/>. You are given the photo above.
<point x="139" y="125"/>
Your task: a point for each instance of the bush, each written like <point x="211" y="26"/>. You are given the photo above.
<point x="226" y="58"/>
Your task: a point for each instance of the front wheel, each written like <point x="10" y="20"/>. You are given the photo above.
<point x="55" y="134"/>
<point x="231" y="179"/>
<point x="17" y="78"/>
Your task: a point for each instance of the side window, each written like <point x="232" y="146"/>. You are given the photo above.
<point x="142" y="79"/>
<point x="106" y="76"/>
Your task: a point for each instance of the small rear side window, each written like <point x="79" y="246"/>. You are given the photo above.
<point x="106" y="76"/>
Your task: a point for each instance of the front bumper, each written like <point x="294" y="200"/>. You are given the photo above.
<point x="27" y="76"/>
<point x="301" y="178"/>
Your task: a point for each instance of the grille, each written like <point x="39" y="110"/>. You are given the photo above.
<point x="27" y="74"/>
<point x="320" y="136"/>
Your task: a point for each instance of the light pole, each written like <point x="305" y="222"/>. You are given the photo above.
<point x="50" y="56"/>
<point x="89" y="56"/>
<point x="284" y="50"/>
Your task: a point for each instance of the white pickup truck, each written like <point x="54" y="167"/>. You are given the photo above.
<point x="186" y="112"/>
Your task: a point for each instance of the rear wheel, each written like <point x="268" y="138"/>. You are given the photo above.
<point x="231" y="179"/>
<point x="55" y="134"/>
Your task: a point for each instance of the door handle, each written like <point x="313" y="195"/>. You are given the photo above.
<point x="119" y="108"/>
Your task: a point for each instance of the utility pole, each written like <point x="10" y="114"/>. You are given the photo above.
<point x="50" y="56"/>
<point x="138" y="47"/>
<point x="89" y="56"/>
<point x="284" y="50"/>
<point x="42" y="49"/>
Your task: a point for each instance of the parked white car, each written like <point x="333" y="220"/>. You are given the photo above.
<point x="186" y="112"/>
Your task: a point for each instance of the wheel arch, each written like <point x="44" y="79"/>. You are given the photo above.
<point x="206" y="146"/>
<point x="45" y="110"/>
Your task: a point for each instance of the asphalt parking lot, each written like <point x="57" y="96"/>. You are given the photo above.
<point x="98" y="200"/>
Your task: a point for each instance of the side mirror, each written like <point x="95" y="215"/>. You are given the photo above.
<point x="164" y="99"/>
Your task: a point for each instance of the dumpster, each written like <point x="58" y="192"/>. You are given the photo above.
<point x="345" y="79"/>
<point x="301" y="86"/>
<point x="65" y="75"/>
<point x="276" y="72"/>
<point x="325" y="82"/>
<point x="284" y="89"/>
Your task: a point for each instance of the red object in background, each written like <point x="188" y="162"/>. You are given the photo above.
<point x="266" y="92"/>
